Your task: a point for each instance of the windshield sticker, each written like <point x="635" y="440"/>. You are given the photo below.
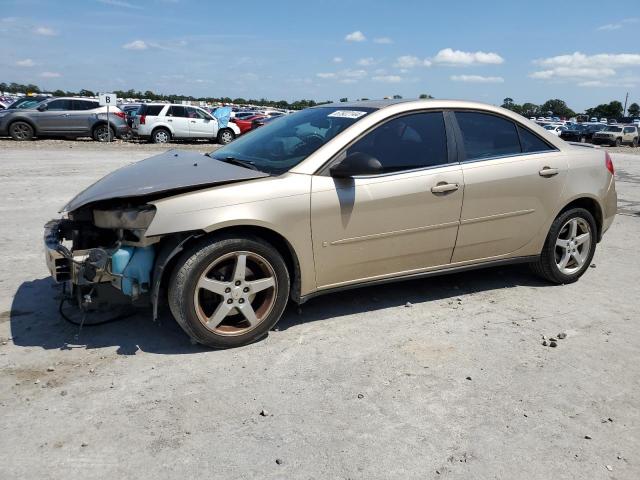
<point x="347" y="114"/>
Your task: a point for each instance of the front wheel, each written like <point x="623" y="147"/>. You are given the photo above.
<point x="21" y="131"/>
<point x="226" y="136"/>
<point x="227" y="292"/>
<point x="569" y="247"/>
<point x="618" y="142"/>
<point x="583" y="139"/>
<point x="634" y="144"/>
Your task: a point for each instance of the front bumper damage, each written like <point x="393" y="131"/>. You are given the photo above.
<point x="82" y="267"/>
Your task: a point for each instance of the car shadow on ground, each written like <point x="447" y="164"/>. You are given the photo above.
<point x="36" y="320"/>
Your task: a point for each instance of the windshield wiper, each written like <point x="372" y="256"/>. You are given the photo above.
<point x="236" y="161"/>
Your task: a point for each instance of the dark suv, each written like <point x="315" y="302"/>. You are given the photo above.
<point x="64" y="117"/>
<point x="582" y="132"/>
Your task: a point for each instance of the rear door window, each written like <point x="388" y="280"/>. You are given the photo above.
<point x="61" y="104"/>
<point x="177" y="111"/>
<point x="151" y="110"/>
<point x="486" y="136"/>
<point x="531" y="143"/>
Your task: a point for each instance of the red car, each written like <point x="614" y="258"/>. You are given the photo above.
<point x="246" y="123"/>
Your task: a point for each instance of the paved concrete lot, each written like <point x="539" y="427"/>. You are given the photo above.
<point x="358" y="385"/>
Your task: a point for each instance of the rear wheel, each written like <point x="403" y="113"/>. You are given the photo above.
<point x="618" y="142"/>
<point x="228" y="292"/>
<point x="634" y="144"/>
<point x="161" y="135"/>
<point x="103" y="133"/>
<point x="569" y="247"/>
<point x="21" y="131"/>
<point x="226" y="136"/>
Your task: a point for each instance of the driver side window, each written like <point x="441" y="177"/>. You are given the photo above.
<point x="412" y="141"/>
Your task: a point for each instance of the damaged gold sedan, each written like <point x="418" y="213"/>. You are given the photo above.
<point x="329" y="198"/>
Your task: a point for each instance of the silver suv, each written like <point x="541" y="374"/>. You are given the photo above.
<point x="616" y="135"/>
<point x="163" y="122"/>
<point x="63" y="117"/>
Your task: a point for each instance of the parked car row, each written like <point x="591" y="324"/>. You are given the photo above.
<point x="602" y="134"/>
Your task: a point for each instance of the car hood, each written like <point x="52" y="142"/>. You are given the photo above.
<point x="170" y="171"/>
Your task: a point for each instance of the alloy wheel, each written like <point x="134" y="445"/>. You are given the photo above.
<point x="21" y="131"/>
<point x="161" y="136"/>
<point x="573" y="245"/>
<point x="226" y="137"/>
<point x="235" y="293"/>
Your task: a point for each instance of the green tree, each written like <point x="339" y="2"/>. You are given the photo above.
<point x="634" y="110"/>
<point x="343" y="100"/>
<point x="530" y="109"/>
<point x="424" y="96"/>
<point x="557" y="107"/>
<point x="606" y="110"/>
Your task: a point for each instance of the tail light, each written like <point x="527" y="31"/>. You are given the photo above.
<point x="142" y="118"/>
<point x="121" y="115"/>
<point x="609" y="163"/>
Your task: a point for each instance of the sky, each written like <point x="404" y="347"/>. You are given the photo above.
<point x="478" y="50"/>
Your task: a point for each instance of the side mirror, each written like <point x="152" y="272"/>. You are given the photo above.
<point x="42" y="108"/>
<point x="357" y="163"/>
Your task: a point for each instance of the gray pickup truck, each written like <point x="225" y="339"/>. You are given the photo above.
<point x="64" y="117"/>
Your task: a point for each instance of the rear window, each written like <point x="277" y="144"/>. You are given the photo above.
<point x="152" y="110"/>
<point x="487" y="135"/>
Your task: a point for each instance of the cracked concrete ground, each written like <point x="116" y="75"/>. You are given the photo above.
<point x="357" y="385"/>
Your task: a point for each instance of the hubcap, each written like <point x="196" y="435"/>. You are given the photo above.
<point x="226" y="137"/>
<point x="235" y="293"/>
<point x="162" y="137"/>
<point x="573" y="245"/>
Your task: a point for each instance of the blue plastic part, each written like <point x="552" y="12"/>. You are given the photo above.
<point x="135" y="265"/>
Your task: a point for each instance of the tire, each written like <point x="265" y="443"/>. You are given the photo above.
<point x="21" y="131"/>
<point x="226" y="136"/>
<point x="553" y="253"/>
<point x="618" y="142"/>
<point x="228" y="312"/>
<point x="161" y="135"/>
<point x="634" y="144"/>
<point x="102" y="133"/>
<point x="583" y="139"/>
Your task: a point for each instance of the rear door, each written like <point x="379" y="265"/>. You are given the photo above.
<point x="178" y="118"/>
<point x="201" y="124"/>
<point x="56" y="119"/>
<point x="513" y="181"/>
<point x="82" y="115"/>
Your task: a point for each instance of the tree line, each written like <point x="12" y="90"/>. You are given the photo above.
<point x="558" y="108"/>
<point x="554" y="107"/>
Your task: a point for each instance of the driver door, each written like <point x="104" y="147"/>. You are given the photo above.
<point x="401" y="221"/>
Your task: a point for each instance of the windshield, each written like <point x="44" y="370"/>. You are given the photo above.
<point x="613" y="129"/>
<point x="284" y="142"/>
<point x="26" y="102"/>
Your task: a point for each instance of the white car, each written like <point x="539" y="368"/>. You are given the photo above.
<point x="161" y="122"/>
<point x="555" y="129"/>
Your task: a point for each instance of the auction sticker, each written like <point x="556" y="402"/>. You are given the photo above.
<point x="347" y="114"/>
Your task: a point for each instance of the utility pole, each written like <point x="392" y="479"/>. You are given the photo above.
<point x="624" y="111"/>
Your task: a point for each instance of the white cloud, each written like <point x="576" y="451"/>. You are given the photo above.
<point x="136" y="45"/>
<point x="337" y="59"/>
<point x="356" y="36"/>
<point x="366" y="62"/>
<point x="582" y="67"/>
<point x="344" y="76"/>
<point x="50" y="75"/>
<point x="476" y="79"/>
<point x="609" y="26"/>
<point x="45" y="31"/>
<point x="326" y="75"/>
<point x="383" y="40"/>
<point x="354" y="73"/>
<point x="27" y="62"/>
<point x="452" y="57"/>
<point x="410" y="61"/>
<point x="387" y="78"/>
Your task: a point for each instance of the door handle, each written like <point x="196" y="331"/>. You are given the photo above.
<point x="193" y="121"/>
<point x="444" y="187"/>
<point x="169" y="120"/>
<point x="548" y="172"/>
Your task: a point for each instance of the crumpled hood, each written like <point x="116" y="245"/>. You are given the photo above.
<point x="172" y="170"/>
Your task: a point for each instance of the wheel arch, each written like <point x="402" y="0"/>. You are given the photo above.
<point x="25" y="120"/>
<point x="592" y="205"/>
<point x="163" y="127"/>
<point x="173" y="244"/>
